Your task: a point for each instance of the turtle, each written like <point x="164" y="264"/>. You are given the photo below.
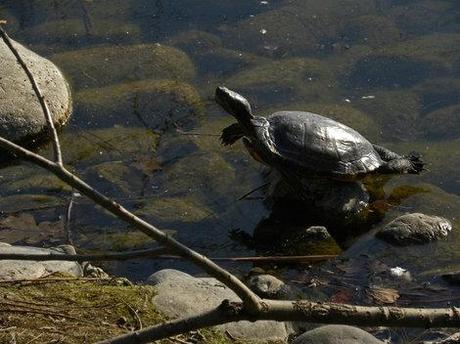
<point x="304" y="143"/>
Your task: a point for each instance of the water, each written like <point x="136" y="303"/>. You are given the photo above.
<point x="145" y="126"/>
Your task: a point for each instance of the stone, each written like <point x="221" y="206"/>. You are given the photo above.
<point x="453" y="339"/>
<point x="442" y="124"/>
<point x="180" y="295"/>
<point x="109" y="64"/>
<point x="268" y="286"/>
<point x="336" y="334"/>
<point x="23" y="269"/>
<point x="155" y="104"/>
<point x="21" y="115"/>
<point x="415" y="228"/>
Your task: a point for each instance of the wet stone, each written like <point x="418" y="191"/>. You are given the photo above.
<point x="268" y="286"/>
<point x="415" y="228"/>
<point x="109" y="64"/>
<point x="177" y="295"/>
<point x="21" y="115"/>
<point x="337" y="334"/>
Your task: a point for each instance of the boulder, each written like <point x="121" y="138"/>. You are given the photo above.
<point x="415" y="228"/>
<point x="180" y="295"/>
<point x="336" y="334"/>
<point x="21" y="115"/>
<point x="26" y="269"/>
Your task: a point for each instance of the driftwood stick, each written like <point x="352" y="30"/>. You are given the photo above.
<point x="250" y="299"/>
<point x="40" y="97"/>
<point x="158" y="253"/>
<point x="85" y="257"/>
<point x="326" y="313"/>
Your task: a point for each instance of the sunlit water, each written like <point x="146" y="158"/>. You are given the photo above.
<point x="145" y="126"/>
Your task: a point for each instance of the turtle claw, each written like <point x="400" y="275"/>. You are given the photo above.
<point x="416" y="162"/>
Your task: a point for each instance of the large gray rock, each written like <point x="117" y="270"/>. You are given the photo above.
<point x="180" y="295"/>
<point x="21" y="116"/>
<point x="336" y="334"/>
<point x="453" y="339"/>
<point x="415" y="228"/>
<point x="26" y="269"/>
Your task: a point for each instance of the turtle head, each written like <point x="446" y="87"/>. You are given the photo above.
<point x="235" y="104"/>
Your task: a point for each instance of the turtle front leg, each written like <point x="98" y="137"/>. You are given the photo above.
<point x="386" y="154"/>
<point x="231" y="134"/>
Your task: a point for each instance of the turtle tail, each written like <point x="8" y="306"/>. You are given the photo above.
<point x="231" y="134"/>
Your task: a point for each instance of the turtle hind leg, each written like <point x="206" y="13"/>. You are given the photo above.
<point x="231" y="134"/>
<point x="413" y="164"/>
<point x="386" y="154"/>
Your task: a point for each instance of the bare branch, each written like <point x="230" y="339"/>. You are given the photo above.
<point x="326" y="313"/>
<point x="250" y="299"/>
<point x="153" y="252"/>
<point x="41" y="98"/>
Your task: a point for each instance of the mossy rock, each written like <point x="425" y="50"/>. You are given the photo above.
<point x="156" y="104"/>
<point x="396" y="113"/>
<point x="442" y="160"/>
<point x="284" y="81"/>
<point x="371" y="30"/>
<point x="22" y="202"/>
<point x="104" y="65"/>
<point x="34" y="12"/>
<point x="438" y="93"/>
<point x="424" y="17"/>
<point x="406" y="63"/>
<point x="75" y="32"/>
<point x="99" y="145"/>
<point x="174" y="209"/>
<point x="297" y="28"/>
<point x="195" y="41"/>
<point x="442" y="124"/>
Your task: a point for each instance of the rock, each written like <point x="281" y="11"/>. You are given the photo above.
<point x="284" y="80"/>
<point x="21" y="116"/>
<point x="75" y="32"/>
<point x="103" y="65"/>
<point x="452" y="277"/>
<point x="23" y="269"/>
<point x="453" y="339"/>
<point x="371" y="30"/>
<point x="336" y="334"/>
<point x="155" y="104"/>
<point x="297" y="28"/>
<point x="180" y="295"/>
<point x="415" y="228"/>
<point x="318" y="233"/>
<point x="442" y="124"/>
<point x="269" y="286"/>
<point x="438" y="93"/>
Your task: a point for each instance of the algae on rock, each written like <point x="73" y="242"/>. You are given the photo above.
<point x="108" y="64"/>
<point x="154" y="104"/>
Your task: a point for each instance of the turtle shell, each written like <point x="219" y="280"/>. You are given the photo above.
<point x="319" y="144"/>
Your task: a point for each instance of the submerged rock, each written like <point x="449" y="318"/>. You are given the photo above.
<point x="415" y="228"/>
<point x="337" y="334"/>
<point x="23" y="269"/>
<point x="109" y="64"/>
<point x="21" y="115"/>
<point x="177" y="295"/>
<point x="371" y="30"/>
<point x="442" y="124"/>
<point x="155" y="104"/>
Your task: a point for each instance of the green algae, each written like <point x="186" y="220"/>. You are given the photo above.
<point x="371" y="30"/>
<point x="184" y="209"/>
<point x="156" y="104"/>
<point x="285" y="79"/>
<point x="108" y="64"/>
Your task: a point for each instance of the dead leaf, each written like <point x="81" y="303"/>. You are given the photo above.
<point x="383" y="295"/>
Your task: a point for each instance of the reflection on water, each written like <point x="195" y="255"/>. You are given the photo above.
<point x="145" y="127"/>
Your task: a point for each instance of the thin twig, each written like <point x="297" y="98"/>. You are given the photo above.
<point x="41" y="98"/>
<point x="159" y="253"/>
<point x="250" y="298"/>
<point x="67" y="223"/>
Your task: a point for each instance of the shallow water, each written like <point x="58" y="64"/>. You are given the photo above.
<point x="145" y="126"/>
